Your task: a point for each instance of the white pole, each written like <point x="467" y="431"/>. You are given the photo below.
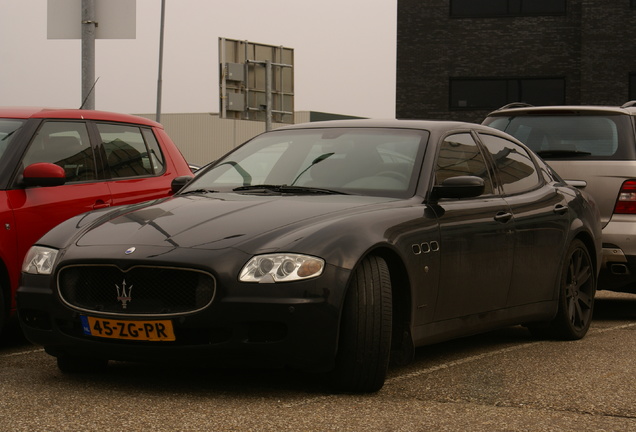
<point x="160" y="78"/>
<point x="88" y="54"/>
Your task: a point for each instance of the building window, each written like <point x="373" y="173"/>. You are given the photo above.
<point x="491" y="93"/>
<point x="497" y="8"/>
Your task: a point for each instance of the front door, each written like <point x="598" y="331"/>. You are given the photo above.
<point x="38" y="209"/>
<point x="476" y="237"/>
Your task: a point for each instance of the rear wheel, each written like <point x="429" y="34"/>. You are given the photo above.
<point x="79" y="364"/>
<point x="365" y="333"/>
<point x="577" y="288"/>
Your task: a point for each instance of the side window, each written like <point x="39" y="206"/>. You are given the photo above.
<point x="127" y="153"/>
<point x="156" y="157"/>
<point x="460" y="156"/>
<point x="65" y="144"/>
<point x="516" y="170"/>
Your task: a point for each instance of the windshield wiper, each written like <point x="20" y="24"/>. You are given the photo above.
<point x="319" y="159"/>
<point x="258" y="188"/>
<point x="287" y="189"/>
<point x="556" y="153"/>
<point x="7" y="136"/>
<point x="310" y="190"/>
<point x="198" y="191"/>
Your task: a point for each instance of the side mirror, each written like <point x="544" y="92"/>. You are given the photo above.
<point x="43" y="174"/>
<point x="179" y="182"/>
<point x="459" y="187"/>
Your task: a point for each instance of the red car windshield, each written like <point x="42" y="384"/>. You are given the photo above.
<point x="8" y="127"/>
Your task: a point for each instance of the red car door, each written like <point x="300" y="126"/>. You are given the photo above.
<point x="136" y="163"/>
<point x="38" y="209"/>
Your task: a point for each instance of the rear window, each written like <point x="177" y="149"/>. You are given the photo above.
<point x="571" y="136"/>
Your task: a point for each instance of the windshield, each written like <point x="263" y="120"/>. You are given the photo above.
<point x="8" y="127"/>
<point x="559" y="136"/>
<point x="365" y="161"/>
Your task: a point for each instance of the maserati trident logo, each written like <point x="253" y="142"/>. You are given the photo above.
<point x="123" y="294"/>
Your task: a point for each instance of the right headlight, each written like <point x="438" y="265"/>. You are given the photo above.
<point x="39" y="260"/>
<point x="281" y="267"/>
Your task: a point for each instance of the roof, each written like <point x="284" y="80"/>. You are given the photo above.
<point x="627" y="109"/>
<point x="388" y="123"/>
<point x="62" y="113"/>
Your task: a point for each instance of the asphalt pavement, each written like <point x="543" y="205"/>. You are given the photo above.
<point x="499" y="381"/>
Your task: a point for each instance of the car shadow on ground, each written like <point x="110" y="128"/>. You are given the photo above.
<point x="261" y="382"/>
<point x="12" y="336"/>
<point x="205" y="381"/>
<point x="614" y="306"/>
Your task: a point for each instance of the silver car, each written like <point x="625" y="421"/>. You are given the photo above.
<point x="593" y="148"/>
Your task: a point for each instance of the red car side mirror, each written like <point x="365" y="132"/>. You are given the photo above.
<point x="44" y="174"/>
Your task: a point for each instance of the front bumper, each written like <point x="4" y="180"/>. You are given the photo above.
<point x="294" y="324"/>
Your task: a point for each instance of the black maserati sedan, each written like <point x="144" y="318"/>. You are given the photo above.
<point x="333" y="247"/>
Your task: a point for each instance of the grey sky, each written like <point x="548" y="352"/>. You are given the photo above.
<point x="344" y="55"/>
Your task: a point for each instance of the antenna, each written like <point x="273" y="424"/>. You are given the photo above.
<point x="89" y="93"/>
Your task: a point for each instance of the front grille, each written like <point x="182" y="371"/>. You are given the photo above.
<point x="139" y="290"/>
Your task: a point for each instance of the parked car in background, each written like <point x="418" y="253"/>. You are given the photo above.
<point x="55" y="164"/>
<point x="330" y="247"/>
<point x="594" y="148"/>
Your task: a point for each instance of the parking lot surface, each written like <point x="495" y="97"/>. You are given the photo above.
<point x="500" y="381"/>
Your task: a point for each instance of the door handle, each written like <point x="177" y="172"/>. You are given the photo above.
<point x="99" y="204"/>
<point x="560" y="209"/>
<point x="503" y="217"/>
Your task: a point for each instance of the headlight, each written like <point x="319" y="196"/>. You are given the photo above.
<point x="39" y="260"/>
<point x="272" y="268"/>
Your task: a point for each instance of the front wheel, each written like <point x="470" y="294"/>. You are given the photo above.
<point x="577" y="288"/>
<point x="4" y="315"/>
<point x="365" y="332"/>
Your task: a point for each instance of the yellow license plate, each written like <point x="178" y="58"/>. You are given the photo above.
<point x="156" y="330"/>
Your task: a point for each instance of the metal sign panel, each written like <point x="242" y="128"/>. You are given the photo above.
<point x="116" y="19"/>
<point x="256" y="81"/>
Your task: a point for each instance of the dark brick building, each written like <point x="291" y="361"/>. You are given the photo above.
<point x="460" y="59"/>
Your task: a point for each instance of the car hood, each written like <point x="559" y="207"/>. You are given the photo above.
<point x="220" y="220"/>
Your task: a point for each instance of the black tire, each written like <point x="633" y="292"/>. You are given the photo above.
<point x="577" y="288"/>
<point x="4" y="316"/>
<point x="365" y="332"/>
<point x="80" y="365"/>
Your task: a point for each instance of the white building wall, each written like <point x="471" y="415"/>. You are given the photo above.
<point x="204" y="137"/>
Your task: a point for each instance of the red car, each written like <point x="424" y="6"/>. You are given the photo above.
<point x="58" y="163"/>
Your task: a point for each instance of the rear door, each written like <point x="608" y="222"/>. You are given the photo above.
<point x="541" y="216"/>
<point x="135" y="163"/>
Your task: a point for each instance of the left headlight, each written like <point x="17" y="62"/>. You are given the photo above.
<point x="39" y="260"/>
<point x="272" y="268"/>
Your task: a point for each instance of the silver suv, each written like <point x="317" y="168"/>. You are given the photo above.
<point x="593" y="148"/>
